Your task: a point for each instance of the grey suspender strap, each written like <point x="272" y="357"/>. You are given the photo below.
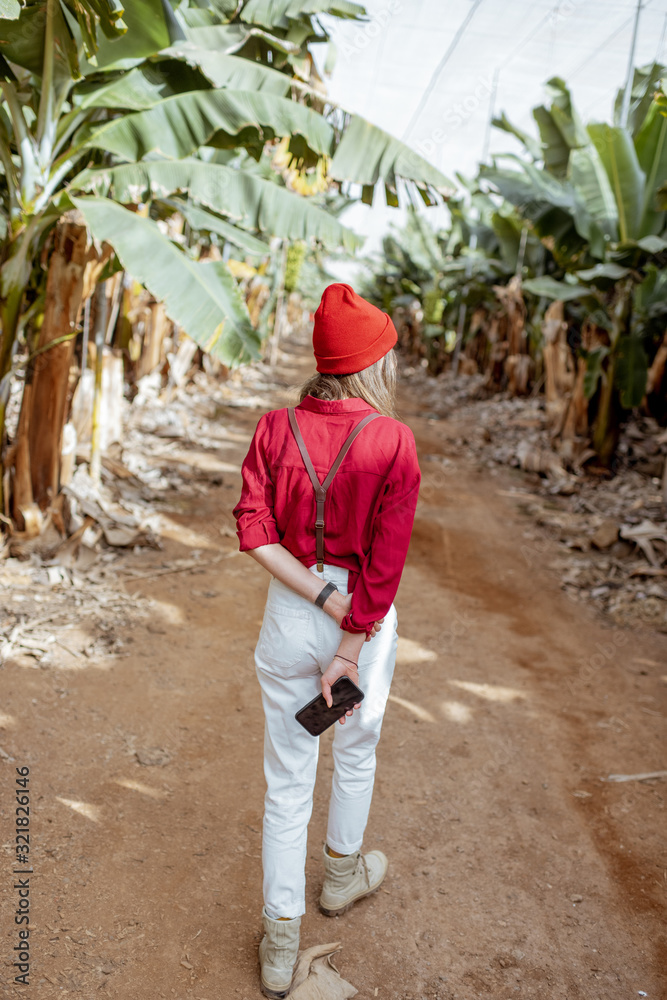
<point x="321" y="488"/>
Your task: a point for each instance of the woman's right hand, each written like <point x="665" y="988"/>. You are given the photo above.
<point x="338" y="605"/>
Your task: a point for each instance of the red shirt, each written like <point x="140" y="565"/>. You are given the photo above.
<point x="370" y="505"/>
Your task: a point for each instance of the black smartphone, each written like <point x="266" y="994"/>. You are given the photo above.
<point x="316" y="716"/>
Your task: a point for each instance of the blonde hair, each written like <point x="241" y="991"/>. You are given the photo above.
<point x="376" y="385"/>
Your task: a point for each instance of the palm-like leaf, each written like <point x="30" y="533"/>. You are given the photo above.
<point x="560" y="128"/>
<point x="224" y="69"/>
<point x="651" y="146"/>
<point x="179" y="125"/>
<point x="151" y="27"/>
<point x="552" y="289"/>
<point x="618" y="155"/>
<point x="279" y="12"/>
<point x="531" y="144"/>
<point x="150" y="24"/>
<point x="630" y="371"/>
<point x="203" y="221"/>
<point x="644" y="84"/>
<point x="591" y="181"/>
<point x="202" y="297"/>
<point x="250" y="200"/>
<point x="367" y="154"/>
<point x="138" y="89"/>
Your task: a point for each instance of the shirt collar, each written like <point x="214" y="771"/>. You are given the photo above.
<point x="316" y="405"/>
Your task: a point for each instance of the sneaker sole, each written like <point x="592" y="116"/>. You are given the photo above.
<point x="274" y="992"/>
<point x="269" y="991"/>
<point x="355" y="899"/>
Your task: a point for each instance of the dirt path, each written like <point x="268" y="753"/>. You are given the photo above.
<point x="514" y="869"/>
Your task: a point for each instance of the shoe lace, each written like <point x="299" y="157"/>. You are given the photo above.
<point x="362" y="868"/>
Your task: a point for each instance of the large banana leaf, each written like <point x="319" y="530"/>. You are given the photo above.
<point x="22" y="39"/>
<point x="178" y="126"/>
<point x="278" y="12"/>
<point x="551" y="205"/>
<point x="552" y="289"/>
<point x="589" y="177"/>
<point x="533" y="191"/>
<point x="626" y="177"/>
<point x="244" y="197"/>
<point x="514" y="185"/>
<point x="564" y="115"/>
<point x="145" y="27"/>
<point x="644" y="82"/>
<point x="367" y="154"/>
<point x="652" y="244"/>
<point x="508" y="234"/>
<point x="531" y="144"/>
<point x="607" y="269"/>
<point x="630" y="371"/>
<point x="224" y="9"/>
<point x="151" y="26"/>
<point x="203" y="221"/>
<point x="140" y="88"/>
<point x="228" y="38"/>
<point x="555" y="151"/>
<point x="226" y="70"/>
<point x="551" y="189"/>
<point x="203" y="297"/>
<point x="651" y="147"/>
<point x="560" y="128"/>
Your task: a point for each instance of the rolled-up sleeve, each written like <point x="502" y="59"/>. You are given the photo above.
<point x="255" y="521"/>
<point x="382" y="568"/>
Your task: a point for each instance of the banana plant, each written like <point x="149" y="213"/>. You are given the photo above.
<point x="103" y="114"/>
<point x="87" y="120"/>
<point x="444" y="272"/>
<point x="592" y="196"/>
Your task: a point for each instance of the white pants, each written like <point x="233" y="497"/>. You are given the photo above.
<point x="296" y="644"/>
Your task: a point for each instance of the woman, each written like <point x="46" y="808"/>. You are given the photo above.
<point x="324" y="620"/>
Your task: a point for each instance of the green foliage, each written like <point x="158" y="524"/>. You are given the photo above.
<point x="630" y="371"/>
<point x="593" y="374"/>
<point x="592" y="202"/>
<point x="178" y="106"/>
<point x="202" y="297"/>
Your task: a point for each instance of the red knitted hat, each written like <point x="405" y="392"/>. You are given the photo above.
<point x="349" y="333"/>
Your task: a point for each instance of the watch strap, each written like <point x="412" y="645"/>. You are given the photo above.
<point x="324" y="594"/>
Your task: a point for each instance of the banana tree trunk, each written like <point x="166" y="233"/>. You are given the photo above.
<point x="607" y="427"/>
<point x="73" y="263"/>
<point x="10" y="311"/>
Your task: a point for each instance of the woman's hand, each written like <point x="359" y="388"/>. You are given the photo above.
<point x="338" y="605"/>
<point x="339" y="668"/>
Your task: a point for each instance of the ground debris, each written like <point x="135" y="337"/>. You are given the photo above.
<point x="152" y="756"/>
<point x="316" y="976"/>
<point x="612" y="527"/>
<point x="636" y="777"/>
<point x="64" y="601"/>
